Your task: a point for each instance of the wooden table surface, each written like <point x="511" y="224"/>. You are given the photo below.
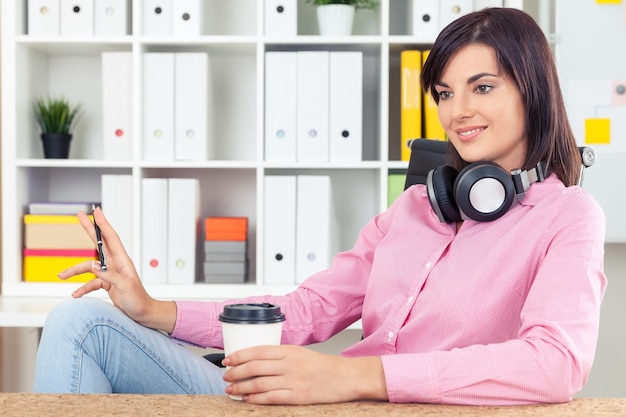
<point x="28" y="404"/>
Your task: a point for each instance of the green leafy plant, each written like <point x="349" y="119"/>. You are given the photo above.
<point x="55" y="115"/>
<point x="358" y="4"/>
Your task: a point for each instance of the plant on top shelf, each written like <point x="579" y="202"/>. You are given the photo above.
<point x="358" y="4"/>
<point x="56" y="118"/>
<point x="335" y="17"/>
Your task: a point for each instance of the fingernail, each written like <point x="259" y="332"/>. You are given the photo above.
<point x="95" y="265"/>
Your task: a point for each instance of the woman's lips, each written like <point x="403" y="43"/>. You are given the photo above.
<point x="467" y="134"/>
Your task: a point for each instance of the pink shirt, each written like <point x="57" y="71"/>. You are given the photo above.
<point x="503" y="312"/>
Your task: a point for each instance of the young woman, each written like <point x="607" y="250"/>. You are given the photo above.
<point x="459" y="311"/>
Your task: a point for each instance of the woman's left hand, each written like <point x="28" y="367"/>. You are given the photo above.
<point x="289" y="374"/>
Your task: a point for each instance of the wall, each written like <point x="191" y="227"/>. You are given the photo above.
<point x="607" y="375"/>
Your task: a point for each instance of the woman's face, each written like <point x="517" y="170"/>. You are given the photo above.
<point x="481" y="109"/>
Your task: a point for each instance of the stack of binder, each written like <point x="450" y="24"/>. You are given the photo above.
<point x="225" y="250"/>
<point x="54" y="242"/>
<point x="301" y="229"/>
<point x="170" y="230"/>
<point x="173" y="17"/>
<point x="178" y="111"/>
<point x="426" y="18"/>
<point x="314" y="106"/>
<point x="78" y="17"/>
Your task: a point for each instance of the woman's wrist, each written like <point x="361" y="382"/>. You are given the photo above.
<point x="369" y="373"/>
<point x="160" y="315"/>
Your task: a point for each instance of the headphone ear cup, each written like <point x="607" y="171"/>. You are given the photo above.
<point x="440" y="187"/>
<point x="484" y="191"/>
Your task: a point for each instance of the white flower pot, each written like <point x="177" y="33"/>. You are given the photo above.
<point x="335" y="19"/>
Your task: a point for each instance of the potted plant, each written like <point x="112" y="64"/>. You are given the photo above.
<point x="335" y="17"/>
<point x="56" y="118"/>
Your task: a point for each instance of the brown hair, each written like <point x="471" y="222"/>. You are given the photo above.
<point x="523" y="53"/>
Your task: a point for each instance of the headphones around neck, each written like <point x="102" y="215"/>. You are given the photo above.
<point x="482" y="191"/>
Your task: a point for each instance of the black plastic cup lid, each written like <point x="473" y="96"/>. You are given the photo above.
<point x="261" y="313"/>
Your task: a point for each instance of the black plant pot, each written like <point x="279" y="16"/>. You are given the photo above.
<point x="56" y="145"/>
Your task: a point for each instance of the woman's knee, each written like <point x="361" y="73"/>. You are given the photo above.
<point x="78" y="311"/>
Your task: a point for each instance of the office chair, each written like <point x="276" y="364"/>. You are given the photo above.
<point x="427" y="154"/>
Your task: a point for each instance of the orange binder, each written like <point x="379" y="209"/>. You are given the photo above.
<point x="411" y="100"/>
<point x="226" y="228"/>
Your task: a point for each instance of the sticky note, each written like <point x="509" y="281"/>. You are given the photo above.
<point x="597" y="131"/>
<point x="618" y="97"/>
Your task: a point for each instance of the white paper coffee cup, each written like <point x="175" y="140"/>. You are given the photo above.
<point x="247" y="325"/>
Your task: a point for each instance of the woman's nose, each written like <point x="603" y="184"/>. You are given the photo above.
<point x="461" y="108"/>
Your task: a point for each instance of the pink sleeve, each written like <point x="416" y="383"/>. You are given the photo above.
<point x="197" y="323"/>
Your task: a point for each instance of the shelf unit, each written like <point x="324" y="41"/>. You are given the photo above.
<point x="232" y="183"/>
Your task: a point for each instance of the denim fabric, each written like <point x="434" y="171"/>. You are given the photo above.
<point x="90" y="346"/>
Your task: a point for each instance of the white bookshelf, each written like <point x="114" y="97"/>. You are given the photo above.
<point x="232" y="183"/>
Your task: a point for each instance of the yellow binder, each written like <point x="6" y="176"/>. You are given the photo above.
<point x="411" y="100"/>
<point x="43" y="265"/>
<point x="432" y="125"/>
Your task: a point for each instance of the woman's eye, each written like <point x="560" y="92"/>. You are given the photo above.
<point x="483" y="88"/>
<point x="443" y="95"/>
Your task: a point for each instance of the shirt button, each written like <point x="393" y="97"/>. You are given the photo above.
<point x="428" y="265"/>
<point x="389" y="335"/>
<point x="410" y="299"/>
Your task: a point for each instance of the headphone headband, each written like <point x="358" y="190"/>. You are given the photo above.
<point x="523" y="179"/>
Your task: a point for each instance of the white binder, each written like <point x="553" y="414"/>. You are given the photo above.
<point x="117" y="206"/>
<point x="77" y="17"/>
<point x="280" y="106"/>
<point x="346" y="106"/>
<point x="188" y="18"/>
<point x="453" y="9"/>
<point x="281" y="18"/>
<point x="279" y="221"/>
<point x="111" y="17"/>
<point x="158" y="105"/>
<point x="192" y="141"/>
<point x="117" y="105"/>
<point x="183" y="230"/>
<point x="154" y="203"/>
<point x="312" y="106"/>
<point x="158" y="16"/>
<point x="316" y="227"/>
<point x="44" y="17"/>
<point x="424" y="18"/>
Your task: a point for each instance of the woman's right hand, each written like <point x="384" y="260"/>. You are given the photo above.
<point x="120" y="280"/>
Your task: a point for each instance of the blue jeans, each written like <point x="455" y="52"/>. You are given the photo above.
<point x="91" y="346"/>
